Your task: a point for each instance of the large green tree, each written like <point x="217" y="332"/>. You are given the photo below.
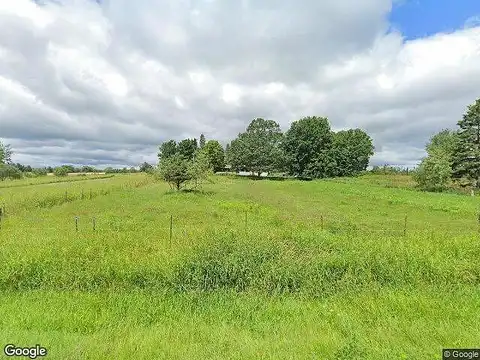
<point x="215" y="155"/>
<point x="351" y="151"/>
<point x="258" y="149"/>
<point x="5" y="153"/>
<point x="306" y="144"/>
<point x="187" y="148"/>
<point x="445" y="140"/>
<point x="167" y="149"/>
<point x="202" y="141"/>
<point x="466" y="159"/>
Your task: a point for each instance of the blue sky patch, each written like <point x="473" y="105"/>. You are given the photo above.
<point x="420" y="18"/>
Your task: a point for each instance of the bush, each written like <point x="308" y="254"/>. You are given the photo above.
<point x="434" y="172"/>
<point x="9" y="172"/>
<point x="61" y="171"/>
<point x="40" y="172"/>
<point x="175" y="170"/>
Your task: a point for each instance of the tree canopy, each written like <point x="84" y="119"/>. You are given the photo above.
<point x="167" y="149"/>
<point x="258" y="149"/>
<point x="306" y="143"/>
<point x="466" y="159"/>
<point x="5" y="153"/>
<point x="215" y="155"/>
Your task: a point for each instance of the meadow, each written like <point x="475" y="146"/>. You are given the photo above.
<point x="123" y="268"/>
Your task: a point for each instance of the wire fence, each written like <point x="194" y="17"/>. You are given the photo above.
<point x="165" y="224"/>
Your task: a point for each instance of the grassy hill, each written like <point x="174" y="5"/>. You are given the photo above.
<point x="363" y="268"/>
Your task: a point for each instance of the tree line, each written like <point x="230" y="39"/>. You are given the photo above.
<point x="14" y="171"/>
<point x="309" y="149"/>
<point x="453" y="156"/>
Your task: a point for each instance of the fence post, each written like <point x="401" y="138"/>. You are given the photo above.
<point x="76" y="223"/>
<point x="171" y="229"/>
<point x="90" y="194"/>
<point x="246" y="220"/>
<point x="405" y="226"/>
<point x="82" y="194"/>
<point x="321" y="221"/>
<point x="93" y="221"/>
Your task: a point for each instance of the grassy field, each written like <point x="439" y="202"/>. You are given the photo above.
<point x="363" y="268"/>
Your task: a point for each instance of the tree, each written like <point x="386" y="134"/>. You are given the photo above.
<point x="175" y="170"/>
<point x="146" y="167"/>
<point x="306" y="143"/>
<point x="8" y="171"/>
<point x="215" y="155"/>
<point x="88" y="169"/>
<point x="5" y="153"/>
<point x="61" y="171"/>
<point x="259" y="148"/>
<point x="351" y="150"/>
<point x="167" y="149"/>
<point x="200" y="168"/>
<point x="202" y="141"/>
<point x="179" y="171"/>
<point x="40" y="171"/>
<point x="466" y="159"/>
<point x="435" y="171"/>
<point x="446" y="140"/>
<point x="187" y="148"/>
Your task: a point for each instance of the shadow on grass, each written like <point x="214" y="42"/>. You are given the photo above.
<point x="268" y="178"/>
<point x="190" y="191"/>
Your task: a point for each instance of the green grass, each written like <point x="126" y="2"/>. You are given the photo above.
<point x="254" y="270"/>
<point x="49" y="180"/>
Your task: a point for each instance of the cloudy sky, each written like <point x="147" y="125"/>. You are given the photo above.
<point x="104" y="84"/>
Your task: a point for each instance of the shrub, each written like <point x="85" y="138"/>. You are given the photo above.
<point x="40" y="172"/>
<point x="61" y="171"/>
<point x="9" y="172"/>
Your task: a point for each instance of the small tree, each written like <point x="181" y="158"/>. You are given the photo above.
<point x="175" y="170"/>
<point x="9" y="172"/>
<point x="200" y="169"/>
<point x="146" y="168"/>
<point x="5" y="153"/>
<point x="40" y="171"/>
<point x="61" y="171"/>
<point x="434" y="172"/>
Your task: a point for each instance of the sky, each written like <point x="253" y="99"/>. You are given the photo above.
<point x="104" y="83"/>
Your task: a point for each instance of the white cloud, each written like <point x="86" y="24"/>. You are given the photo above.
<point x="106" y="85"/>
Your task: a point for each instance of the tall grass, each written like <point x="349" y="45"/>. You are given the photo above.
<point x="254" y="269"/>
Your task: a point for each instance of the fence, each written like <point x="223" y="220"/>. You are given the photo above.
<point x="169" y="225"/>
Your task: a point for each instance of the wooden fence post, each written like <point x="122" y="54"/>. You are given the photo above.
<point x="171" y="229"/>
